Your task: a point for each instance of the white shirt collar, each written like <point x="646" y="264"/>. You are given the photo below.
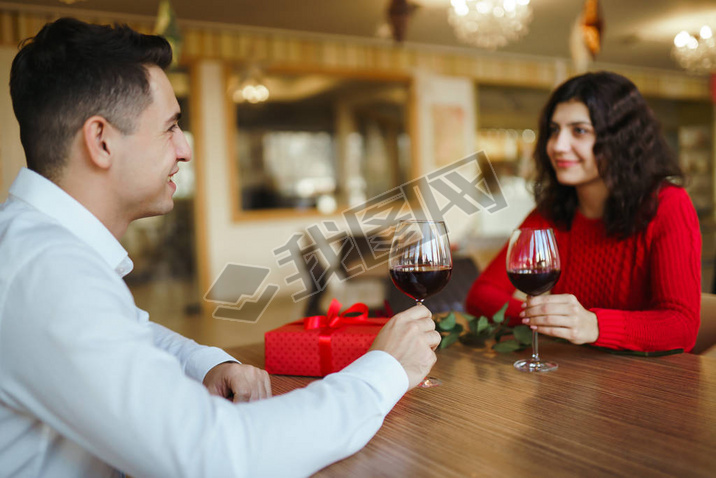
<point x="50" y="199"/>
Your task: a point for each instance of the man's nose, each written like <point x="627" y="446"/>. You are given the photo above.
<point x="183" y="151"/>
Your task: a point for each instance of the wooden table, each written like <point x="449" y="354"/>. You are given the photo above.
<point x="598" y="415"/>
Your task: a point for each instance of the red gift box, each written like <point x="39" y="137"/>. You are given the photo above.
<point x="322" y="344"/>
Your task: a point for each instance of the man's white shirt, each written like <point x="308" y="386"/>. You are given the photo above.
<point x="90" y="387"/>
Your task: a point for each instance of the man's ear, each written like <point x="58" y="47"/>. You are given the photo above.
<point x="100" y="140"/>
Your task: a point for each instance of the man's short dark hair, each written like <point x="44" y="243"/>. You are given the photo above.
<point x="73" y="70"/>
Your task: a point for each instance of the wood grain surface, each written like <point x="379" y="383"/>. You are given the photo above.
<point x="599" y="414"/>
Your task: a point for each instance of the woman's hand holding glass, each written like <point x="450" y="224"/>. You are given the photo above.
<point x="560" y="315"/>
<point x="533" y="267"/>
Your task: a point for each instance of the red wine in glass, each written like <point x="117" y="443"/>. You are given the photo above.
<point x="533" y="266"/>
<point x="420" y="263"/>
<point x="420" y="281"/>
<point x="534" y="281"/>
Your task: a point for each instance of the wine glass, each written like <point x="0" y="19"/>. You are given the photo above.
<point x="533" y="267"/>
<point x="420" y="263"/>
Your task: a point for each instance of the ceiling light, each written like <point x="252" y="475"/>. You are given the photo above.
<point x="249" y="87"/>
<point x="696" y="52"/>
<point x="489" y="23"/>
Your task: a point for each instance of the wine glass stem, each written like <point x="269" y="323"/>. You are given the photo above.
<point x="535" y="346"/>
<point x="427" y="382"/>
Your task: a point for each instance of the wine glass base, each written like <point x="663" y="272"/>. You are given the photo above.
<point x="429" y="382"/>
<point x="531" y="365"/>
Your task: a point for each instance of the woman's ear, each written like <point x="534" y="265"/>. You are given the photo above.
<point x="100" y="140"/>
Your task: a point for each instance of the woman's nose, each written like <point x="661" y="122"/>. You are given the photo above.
<point x="561" y="141"/>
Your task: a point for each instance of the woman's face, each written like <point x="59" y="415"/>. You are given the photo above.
<point x="570" y="146"/>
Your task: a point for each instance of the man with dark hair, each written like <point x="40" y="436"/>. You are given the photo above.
<point x="58" y="81"/>
<point x="88" y="385"/>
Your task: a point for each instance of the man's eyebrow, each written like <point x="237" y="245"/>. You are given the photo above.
<point x="175" y="118"/>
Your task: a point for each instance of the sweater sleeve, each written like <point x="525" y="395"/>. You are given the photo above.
<point x="492" y="289"/>
<point x="673" y="317"/>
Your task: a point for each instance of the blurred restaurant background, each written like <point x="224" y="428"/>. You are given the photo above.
<point x="299" y="110"/>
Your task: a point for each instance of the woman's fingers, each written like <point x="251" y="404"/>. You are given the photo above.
<point x="561" y="316"/>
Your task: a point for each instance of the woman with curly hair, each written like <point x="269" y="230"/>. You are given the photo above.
<point x="628" y="234"/>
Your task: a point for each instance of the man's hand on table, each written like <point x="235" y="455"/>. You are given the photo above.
<point x="238" y="382"/>
<point x="411" y="338"/>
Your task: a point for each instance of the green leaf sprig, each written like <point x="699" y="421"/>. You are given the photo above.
<point x="480" y="329"/>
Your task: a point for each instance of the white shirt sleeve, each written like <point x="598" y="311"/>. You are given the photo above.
<point x="324" y="422"/>
<point x="83" y="364"/>
<point x="196" y="360"/>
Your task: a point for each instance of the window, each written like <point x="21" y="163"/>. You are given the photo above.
<point x="320" y="142"/>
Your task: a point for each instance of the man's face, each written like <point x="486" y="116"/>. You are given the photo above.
<point x="149" y="157"/>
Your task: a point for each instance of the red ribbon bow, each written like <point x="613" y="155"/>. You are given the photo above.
<point x="333" y="321"/>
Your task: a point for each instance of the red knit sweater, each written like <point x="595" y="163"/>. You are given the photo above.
<point x="645" y="289"/>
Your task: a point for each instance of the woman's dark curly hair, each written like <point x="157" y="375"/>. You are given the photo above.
<point x="631" y="153"/>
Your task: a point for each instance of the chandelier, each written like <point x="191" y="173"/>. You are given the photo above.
<point x="489" y="23"/>
<point x="696" y="52"/>
<point x="249" y="86"/>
